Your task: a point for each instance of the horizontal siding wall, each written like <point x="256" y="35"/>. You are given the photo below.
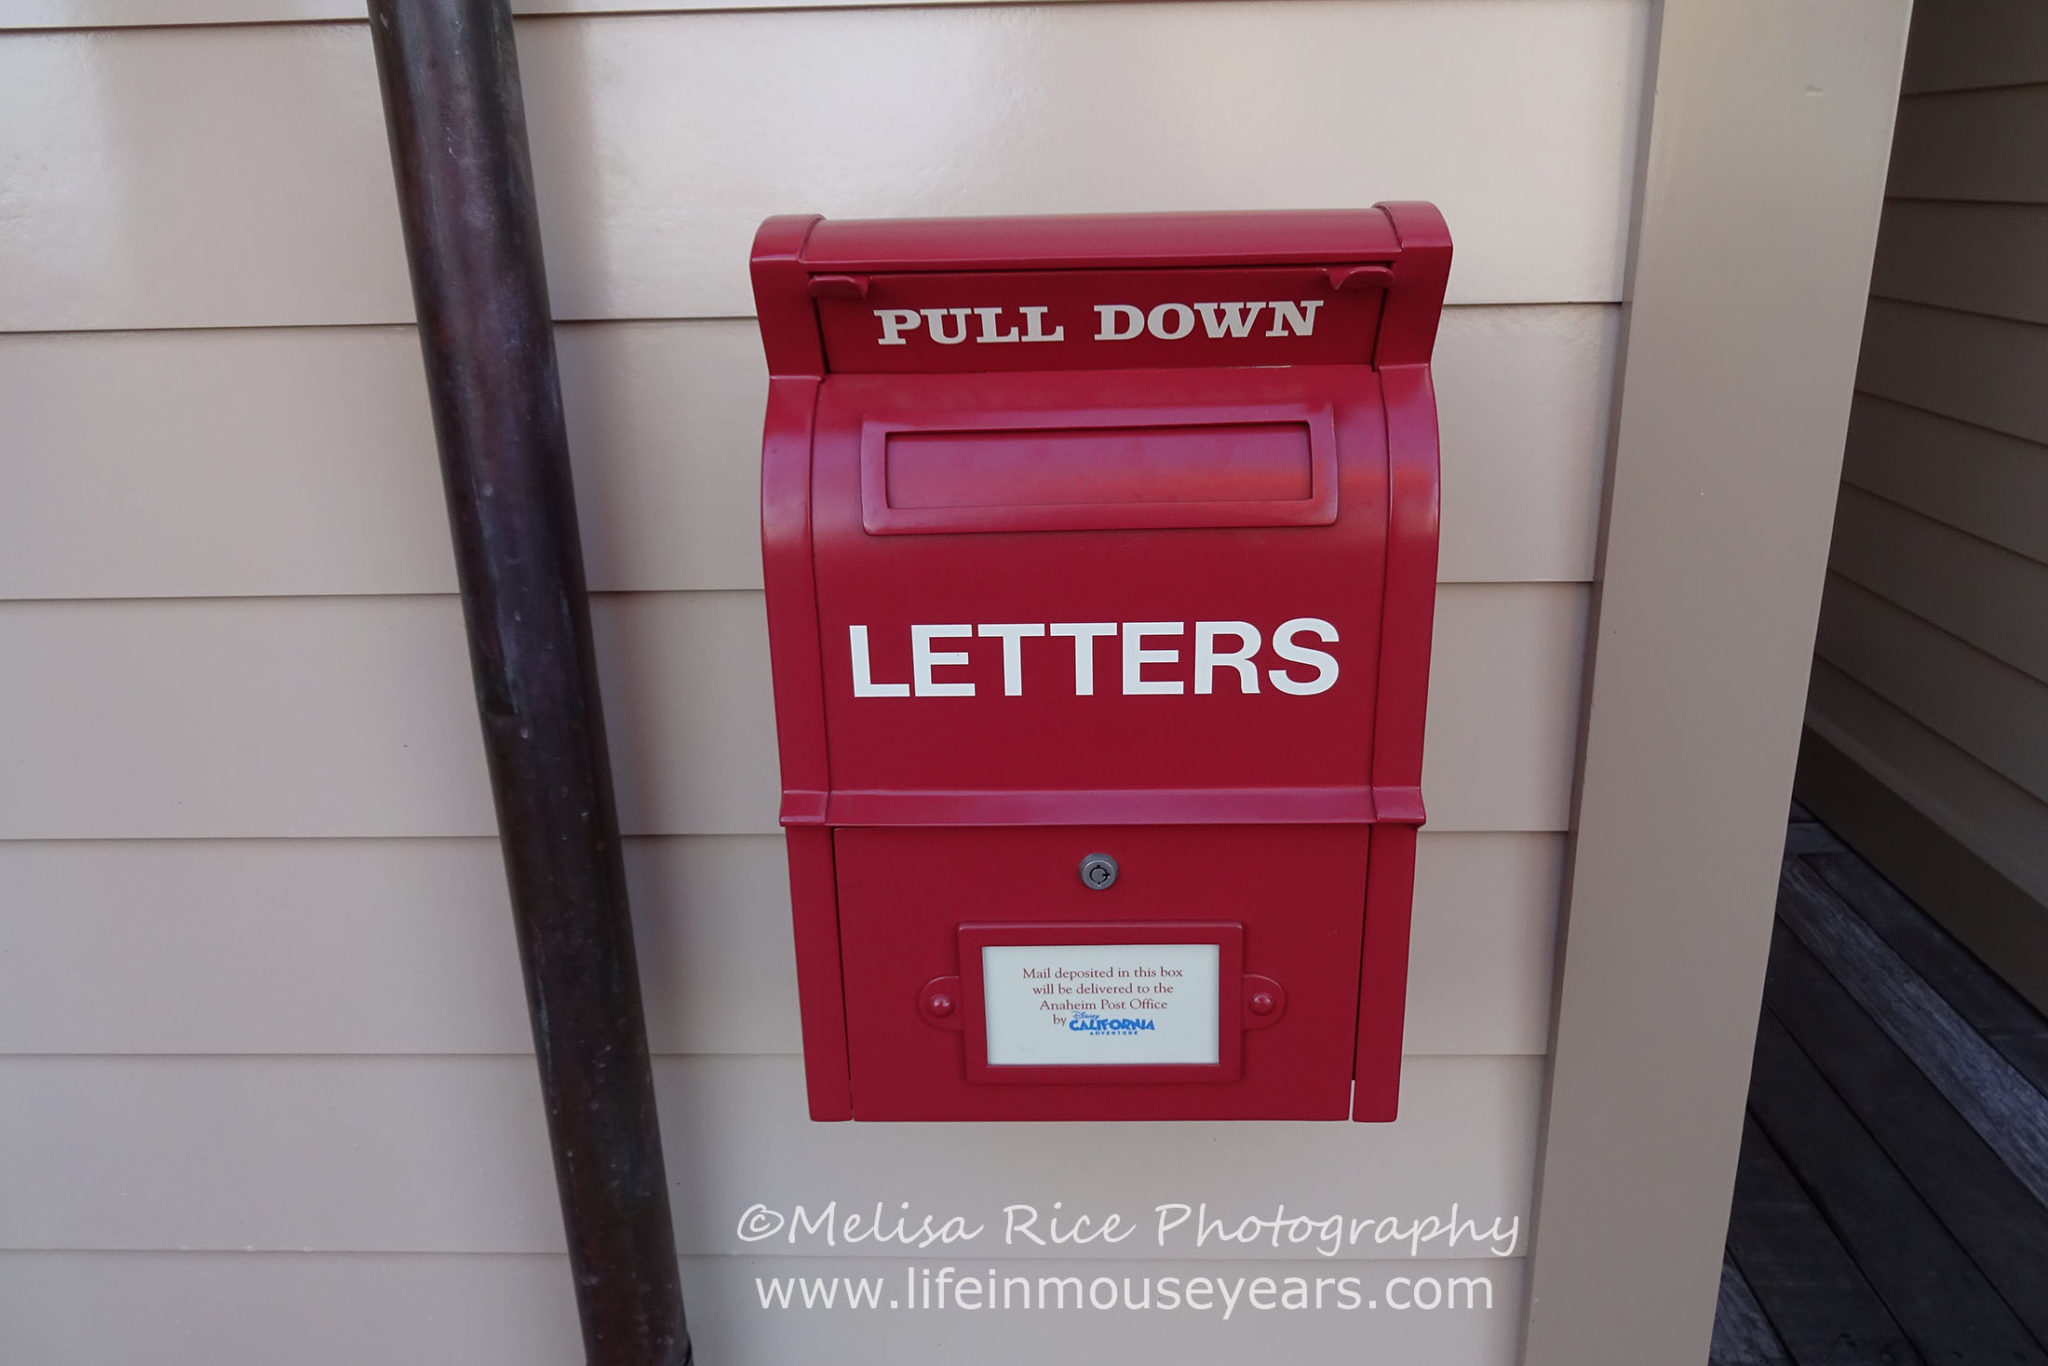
<point x="1972" y="145"/>
<point x="1982" y="258"/>
<point x="301" y="460"/>
<point x="35" y="14"/>
<point x="265" y="1084"/>
<point x="660" y="142"/>
<point x="1967" y="366"/>
<point x="402" y="946"/>
<point x="1937" y="573"/>
<point x="1932" y="658"/>
<point x="1994" y="818"/>
<point x="1974" y="44"/>
<point x="214" y="1153"/>
<point x="298" y="717"/>
<point x="1954" y="689"/>
<point x="1981" y="483"/>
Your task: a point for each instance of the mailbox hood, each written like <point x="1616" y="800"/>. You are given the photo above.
<point x="1375" y="276"/>
<point x="1101" y="241"/>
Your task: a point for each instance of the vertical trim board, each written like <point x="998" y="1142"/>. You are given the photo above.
<point x="1762" y="187"/>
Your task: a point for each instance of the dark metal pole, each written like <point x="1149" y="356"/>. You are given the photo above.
<point x="465" y="189"/>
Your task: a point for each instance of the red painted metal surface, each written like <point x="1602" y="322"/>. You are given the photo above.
<point x="1102" y="535"/>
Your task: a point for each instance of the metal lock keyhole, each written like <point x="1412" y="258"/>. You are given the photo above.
<point x="1098" y="871"/>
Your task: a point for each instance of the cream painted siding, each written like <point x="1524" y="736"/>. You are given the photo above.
<point x="1932" y="672"/>
<point x="264" y="1084"/>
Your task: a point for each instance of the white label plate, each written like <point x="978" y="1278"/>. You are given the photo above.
<point x="1102" y="1005"/>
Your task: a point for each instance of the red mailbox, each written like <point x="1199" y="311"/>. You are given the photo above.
<point x="1101" y="560"/>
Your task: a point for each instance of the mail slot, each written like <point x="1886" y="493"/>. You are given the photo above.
<point x="1100" y="557"/>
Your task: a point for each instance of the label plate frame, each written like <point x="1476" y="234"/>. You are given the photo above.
<point x="1228" y="936"/>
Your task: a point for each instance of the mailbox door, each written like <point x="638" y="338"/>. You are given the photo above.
<point x="1060" y="1001"/>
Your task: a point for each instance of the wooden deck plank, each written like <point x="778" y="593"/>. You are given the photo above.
<point x="1932" y="1288"/>
<point x="1811" y="837"/>
<point x="1824" y="1311"/>
<point x="1999" y="1103"/>
<point x="1983" y="1205"/>
<point x="1742" y="1335"/>
<point x="1995" y="1010"/>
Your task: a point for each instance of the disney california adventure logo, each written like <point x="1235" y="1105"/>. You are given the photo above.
<point x="1104" y="1024"/>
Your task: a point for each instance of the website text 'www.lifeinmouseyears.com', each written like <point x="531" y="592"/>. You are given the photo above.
<point x="952" y="1288"/>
